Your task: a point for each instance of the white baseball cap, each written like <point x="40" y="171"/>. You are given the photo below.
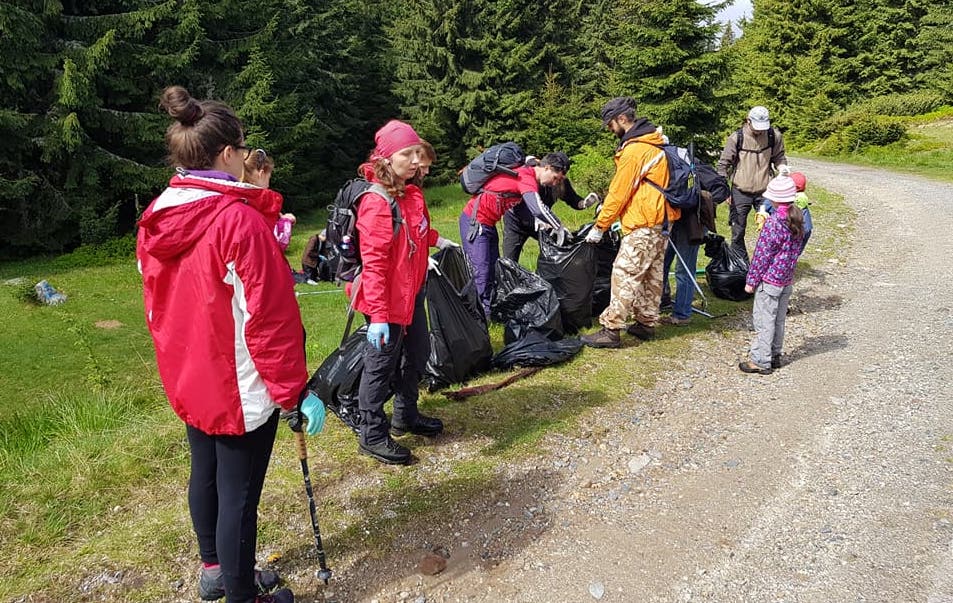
<point x="758" y="118"/>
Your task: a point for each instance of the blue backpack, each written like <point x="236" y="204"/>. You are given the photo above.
<point x="682" y="191"/>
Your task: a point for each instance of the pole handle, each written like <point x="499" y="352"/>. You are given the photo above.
<point x="302" y="445"/>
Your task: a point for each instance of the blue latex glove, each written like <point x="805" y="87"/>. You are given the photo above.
<point x="377" y="331"/>
<point x="313" y="410"/>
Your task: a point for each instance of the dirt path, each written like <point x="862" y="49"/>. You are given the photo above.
<point x="826" y="481"/>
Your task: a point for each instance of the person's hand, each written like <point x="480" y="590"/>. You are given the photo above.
<point x="595" y="235"/>
<point x="562" y="235"/>
<point x="290" y="217"/>
<point x="443" y="243"/>
<point x="760" y="218"/>
<point x="590" y="200"/>
<point x="432" y="265"/>
<point x="749" y="289"/>
<point x="784" y="170"/>
<point x="541" y="225"/>
<point x="376" y="332"/>
<point x="310" y="411"/>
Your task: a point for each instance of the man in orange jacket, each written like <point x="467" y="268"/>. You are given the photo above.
<point x="643" y="211"/>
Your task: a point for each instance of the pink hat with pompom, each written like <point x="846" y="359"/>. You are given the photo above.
<point x="781" y="190"/>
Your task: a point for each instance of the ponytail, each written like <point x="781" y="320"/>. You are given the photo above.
<point x="795" y="221"/>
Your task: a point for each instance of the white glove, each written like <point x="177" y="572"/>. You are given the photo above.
<point x="443" y="243"/>
<point x="540" y="225"/>
<point x="432" y="264"/>
<point x="590" y="200"/>
<point x="784" y="170"/>
<point x="594" y="236"/>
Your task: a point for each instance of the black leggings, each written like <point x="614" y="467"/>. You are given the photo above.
<point x="228" y="473"/>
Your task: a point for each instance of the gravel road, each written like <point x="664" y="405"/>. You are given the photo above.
<point x="828" y="481"/>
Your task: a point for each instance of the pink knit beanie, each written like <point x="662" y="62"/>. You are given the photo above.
<point x="394" y="136"/>
<point x="781" y="190"/>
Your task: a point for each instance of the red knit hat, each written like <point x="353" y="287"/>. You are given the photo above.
<point x="800" y="181"/>
<point x="394" y="136"/>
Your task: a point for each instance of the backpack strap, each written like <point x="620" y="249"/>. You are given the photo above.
<point x="739" y="142"/>
<point x="379" y="189"/>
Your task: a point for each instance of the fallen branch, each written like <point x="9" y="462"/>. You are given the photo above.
<point x="476" y="390"/>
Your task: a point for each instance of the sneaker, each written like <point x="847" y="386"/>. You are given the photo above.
<point x="423" y="425"/>
<point x="750" y="367"/>
<point x="603" y="338"/>
<point x="387" y="451"/>
<point x="675" y="321"/>
<point x="641" y="331"/>
<point x="213" y="588"/>
<point x="279" y="596"/>
<point x="776" y="361"/>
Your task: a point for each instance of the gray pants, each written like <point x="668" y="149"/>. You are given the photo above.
<point x="768" y="314"/>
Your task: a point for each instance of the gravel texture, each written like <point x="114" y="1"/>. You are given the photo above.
<point x="827" y="481"/>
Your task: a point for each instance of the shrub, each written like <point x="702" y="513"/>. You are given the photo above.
<point x="120" y="249"/>
<point x="876" y="131"/>
<point x="592" y="170"/>
<point x="908" y="104"/>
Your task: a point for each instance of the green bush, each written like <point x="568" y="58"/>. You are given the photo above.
<point x="875" y="131"/>
<point x="112" y="251"/>
<point x="592" y="170"/>
<point x="909" y="104"/>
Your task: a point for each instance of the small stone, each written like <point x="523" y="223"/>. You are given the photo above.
<point x="639" y="463"/>
<point x="596" y="589"/>
<point x="431" y="564"/>
<point x="420" y="599"/>
<point x="732" y="463"/>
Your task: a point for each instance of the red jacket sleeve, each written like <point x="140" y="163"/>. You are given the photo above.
<point x="375" y="226"/>
<point x="273" y="333"/>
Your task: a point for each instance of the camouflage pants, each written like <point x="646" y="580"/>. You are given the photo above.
<point x="636" y="279"/>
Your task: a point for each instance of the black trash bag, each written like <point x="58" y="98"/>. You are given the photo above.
<point x="727" y="270"/>
<point x="459" y="341"/>
<point x="338" y="378"/>
<point x="524" y="302"/>
<point x="571" y="269"/>
<point x="536" y="350"/>
<point x="606" y="250"/>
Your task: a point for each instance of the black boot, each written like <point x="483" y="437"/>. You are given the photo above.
<point x="603" y="338"/>
<point x="641" y="331"/>
<point x="422" y="425"/>
<point x="387" y="451"/>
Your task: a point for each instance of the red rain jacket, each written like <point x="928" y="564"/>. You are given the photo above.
<point x="220" y="304"/>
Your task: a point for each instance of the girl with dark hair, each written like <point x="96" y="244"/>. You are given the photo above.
<point x="229" y="342"/>
<point x="771" y="275"/>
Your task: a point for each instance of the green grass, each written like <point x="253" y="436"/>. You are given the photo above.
<point x="93" y="463"/>
<point x="927" y="150"/>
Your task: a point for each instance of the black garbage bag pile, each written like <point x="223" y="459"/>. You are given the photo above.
<point x="534" y="349"/>
<point x="727" y="270"/>
<point x="571" y="269"/>
<point x="459" y="342"/>
<point x="524" y="302"/>
<point x="606" y="250"/>
<point x="338" y="378"/>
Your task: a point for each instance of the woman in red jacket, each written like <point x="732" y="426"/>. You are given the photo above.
<point x="220" y="306"/>
<point x="390" y="293"/>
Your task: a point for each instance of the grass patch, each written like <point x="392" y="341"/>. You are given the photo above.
<point x="94" y="464"/>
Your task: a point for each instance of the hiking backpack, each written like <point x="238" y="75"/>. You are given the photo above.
<point x="740" y="141"/>
<point x="344" y="249"/>
<point x="710" y="180"/>
<point x="682" y="190"/>
<point x="501" y="158"/>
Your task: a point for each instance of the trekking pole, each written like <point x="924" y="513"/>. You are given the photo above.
<point x="324" y="573"/>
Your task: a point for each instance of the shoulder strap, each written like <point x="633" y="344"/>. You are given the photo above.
<point x="377" y="188"/>
<point x="739" y="141"/>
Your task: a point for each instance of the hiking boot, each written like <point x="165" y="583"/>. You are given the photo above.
<point x="675" y="321"/>
<point x="422" y="425"/>
<point x="387" y="451"/>
<point x="603" y="338"/>
<point x="750" y="367"/>
<point x="641" y="331"/>
<point x="212" y="588"/>
<point x="776" y="361"/>
<point x="279" y="596"/>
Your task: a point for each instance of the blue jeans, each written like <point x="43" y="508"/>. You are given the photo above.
<point x="684" y="285"/>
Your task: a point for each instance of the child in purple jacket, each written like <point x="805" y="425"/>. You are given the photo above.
<point x="771" y="275"/>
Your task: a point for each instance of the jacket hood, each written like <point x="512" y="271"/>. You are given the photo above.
<point x="183" y="213"/>
<point x="641" y="128"/>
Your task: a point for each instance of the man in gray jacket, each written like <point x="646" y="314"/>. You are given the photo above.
<point x="753" y="154"/>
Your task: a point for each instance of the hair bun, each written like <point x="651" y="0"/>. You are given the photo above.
<point x="180" y="105"/>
